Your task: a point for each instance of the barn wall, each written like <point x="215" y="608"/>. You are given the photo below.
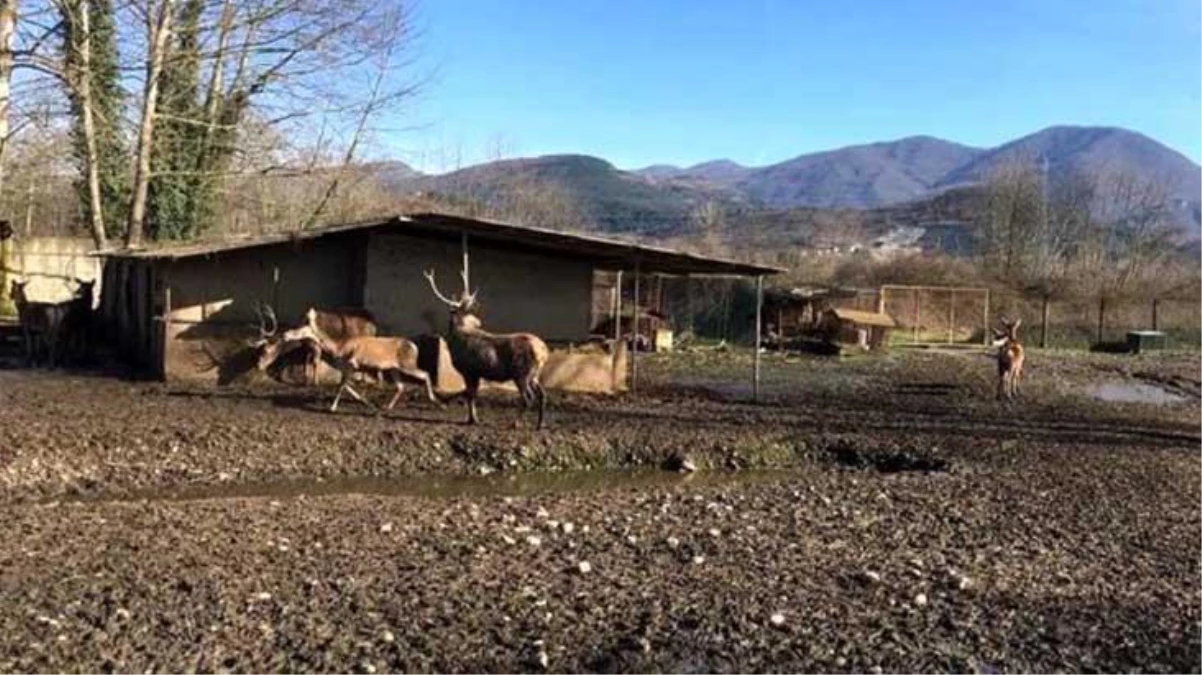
<point x="50" y="266"/>
<point x="214" y="299"/>
<point x="519" y="290"/>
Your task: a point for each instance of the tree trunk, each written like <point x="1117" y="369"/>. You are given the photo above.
<point x="8" y="23"/>
<point x="154" y="68"/>
<point x="83" y="84"/>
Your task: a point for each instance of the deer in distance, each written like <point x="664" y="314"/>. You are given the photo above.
<point x="479" y="355"/>
<point x="1010" y="357"/>
<point x="391" y="358"/>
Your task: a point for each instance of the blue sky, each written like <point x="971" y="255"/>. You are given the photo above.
<point x="760" y="81"/>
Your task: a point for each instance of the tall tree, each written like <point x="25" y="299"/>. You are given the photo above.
<point x="8" y="24"/>
<point x="158" y="32"/>
<point x="92" y="75"/>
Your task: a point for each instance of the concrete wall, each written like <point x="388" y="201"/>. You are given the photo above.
<point x="50" y="265"/>
<point x="519" y="291"/>
<point x="214" y="299"/>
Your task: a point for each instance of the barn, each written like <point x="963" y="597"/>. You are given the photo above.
<point x="184" y="312"/>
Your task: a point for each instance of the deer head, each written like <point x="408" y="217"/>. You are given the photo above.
<point x="463" y="309"/>
<point x="1008" y="332"/>
<point x="266" y="344"/>
<point x="86" y="291"/>
<point x="17" y="290"/>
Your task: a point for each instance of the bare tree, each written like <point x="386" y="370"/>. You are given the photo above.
<point x="159" y="17"/>
<point x="8" y="21"/>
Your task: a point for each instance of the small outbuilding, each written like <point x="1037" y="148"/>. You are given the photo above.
<point x="869" y="330"/>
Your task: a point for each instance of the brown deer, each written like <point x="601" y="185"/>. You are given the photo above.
<point x="75" y="333"/>
<point x="1010" y="357"/>
<point x="392" y="358"/>
<point x="479" y="355"/>
<point x="40" y="324"/>
<point x="338" y="324"/>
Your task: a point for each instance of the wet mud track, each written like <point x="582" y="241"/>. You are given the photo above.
<point x="150" y="528"/>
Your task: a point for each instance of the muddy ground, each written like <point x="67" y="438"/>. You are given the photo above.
<point x="161" y="527"/>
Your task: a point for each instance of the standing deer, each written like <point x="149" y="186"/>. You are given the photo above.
<point x="392" y="358"/>
<point x="479" y="355"/>
<point x="1010" y="357"/>
<point x="40" y="324"/>
<point x="75" y="333"/>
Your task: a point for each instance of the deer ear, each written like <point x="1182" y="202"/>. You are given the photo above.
<point x="1014" y="326"/>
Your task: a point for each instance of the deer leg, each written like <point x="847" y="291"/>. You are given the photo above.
<point x="541" y="394"/>
<point x="472" y="389"/>
<point x="419" y="375"/>
<point x="400" y="389"/>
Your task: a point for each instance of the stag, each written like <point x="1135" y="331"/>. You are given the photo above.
<point x="1010" y="357"/>
<point x="338" y="324"/>
<point x="479" y="355"/>
<point x="392" y="358"/>
<point x="40" y="324"/>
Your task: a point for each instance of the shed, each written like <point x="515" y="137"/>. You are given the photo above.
<point x="184" y="311"/>
<point x="851" y="326"/>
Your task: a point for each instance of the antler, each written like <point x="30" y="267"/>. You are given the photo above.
<point x="267" y="314"/>
<point x="468" y="299"/>
<point x="429" y="274"/>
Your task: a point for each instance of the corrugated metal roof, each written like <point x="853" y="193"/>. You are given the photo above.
<point x="605" y="252"/>
<point x="865" y="318"/>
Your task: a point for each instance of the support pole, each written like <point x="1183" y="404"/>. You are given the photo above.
<point x="917" y="313"/>
<point x="759" y="305"/>
<point x="985" y="324"/>
<point x="1101" y="318"/>
<point x="1043" y="331"/>
<point x="951" y="319"/>
<point x="1155" y="314"/>
<point x="634" y="358"/>
<point x="275" y="288"/>
<point x="617" y="324"/>
<point x="467" y="269"/>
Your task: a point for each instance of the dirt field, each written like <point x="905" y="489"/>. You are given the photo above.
<point x="151" y="527"/>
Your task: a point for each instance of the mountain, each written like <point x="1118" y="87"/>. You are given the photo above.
<point x="609" y="198"/>
<point x="1091" y="150"/>
<point x="659" y="199"/>
<point x="858" y="176"/>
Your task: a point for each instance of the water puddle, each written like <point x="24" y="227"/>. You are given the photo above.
<point x="1119" y="391"/>
<point x="449" y="487"/>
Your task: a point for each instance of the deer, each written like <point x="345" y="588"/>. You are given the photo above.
<point x="76" y="328"/>
<point x="479" y="355"/>
<point x="338" y="324"/>
<point x="40" y="324"/>
<point x="1010" y="357"/>
<point x="392" y="358"/>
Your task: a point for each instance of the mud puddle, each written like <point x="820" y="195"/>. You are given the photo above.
<point x="1119" y="391"/>
<point x="448" y="487"/>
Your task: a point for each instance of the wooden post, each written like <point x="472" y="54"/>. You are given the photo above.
<point x="165" y="327"/>
<point x="1043" y="331"/>
<point x="951" y="319"/>
<point x="1155" y="314"/>
<point x="759" y="305"/>
<point x="1101" y="318"/>
<point x="634" y="358"/>
<point x="985" y="325"/>
<point x="467" y="276"/>
<point x="617" y="325"/>
<point x="917" y="312"/>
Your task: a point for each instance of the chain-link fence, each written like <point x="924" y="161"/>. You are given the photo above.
<point x="937" y="315"/>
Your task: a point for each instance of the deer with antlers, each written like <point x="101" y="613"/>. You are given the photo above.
<point x="1010" y="357"/>
<point x="479" y="355"/>
<point x="337" y="324"/>
<point x="392" y="358"/>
